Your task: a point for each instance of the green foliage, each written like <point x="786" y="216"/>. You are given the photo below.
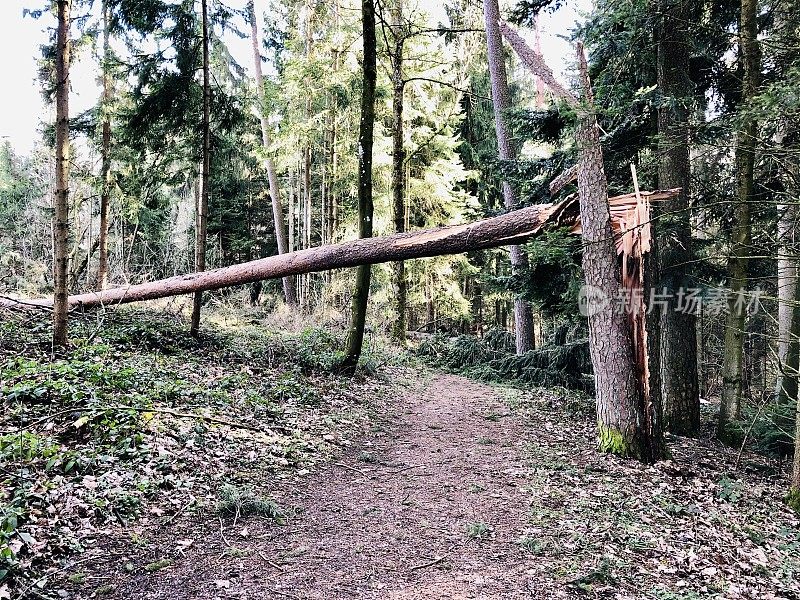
<point x="793" y="499"/>
<point x="601" y="575"/>
<point x="243" y="502"/>
<point x="94" y="437"/>
<point x="555" y="274"/>
<point x="729" y="489"/>
<point x="532" y="545"/>
<point x="478" y="530"/>
<point x="158" y="565"/>
<point x="11" y="539"/>
<point x="771" y="430"/>
<point x="319" y="349"/>
<point x="492" y="358"/>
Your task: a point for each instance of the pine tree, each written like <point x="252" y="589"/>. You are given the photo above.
<point x="678" y="331"/>
<point x="61" y="198"/>
<point x="289" y="289"/>
<point x="358" y="315"/>
<point x="523" y="318"/>
<point x="205" y="173"/>
<point x="732" y="377"/>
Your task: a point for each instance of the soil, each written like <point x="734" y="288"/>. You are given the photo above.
<point x="465" y="490"/>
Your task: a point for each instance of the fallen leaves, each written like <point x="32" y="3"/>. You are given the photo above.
<point x="76" y="471"/>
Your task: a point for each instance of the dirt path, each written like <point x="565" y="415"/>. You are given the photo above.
<point x="430" y="507"/>
<point x="461" y="490"/>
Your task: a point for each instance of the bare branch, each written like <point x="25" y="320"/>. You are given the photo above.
<point x="566" y="177"/>
<point x="536" y="64"/>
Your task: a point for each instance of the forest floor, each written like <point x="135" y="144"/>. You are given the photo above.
<point x="407" y="483"/>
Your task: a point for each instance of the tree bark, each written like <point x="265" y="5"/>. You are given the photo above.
<point x="514" y="227"/>
<point x="788" y="392"/>
<point x="105" y="169"/>
<point x="794" y="490"/>
<point x="626" y="378"/>
<point x="289" y="288"/>
<point x="787" y="283"/>
<point x="61" y="196"/>
<point x="202" y="212"/>
<point x="679" y="387"/>
<point x="628" y="422"/>
<point x="730" y="404"/>
<point x="365" y="209"/>
<point x="398" y="171"/>
<point x="523" y="316"/>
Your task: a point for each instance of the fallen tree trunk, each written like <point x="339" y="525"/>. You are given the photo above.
<point x="510" y="228"/>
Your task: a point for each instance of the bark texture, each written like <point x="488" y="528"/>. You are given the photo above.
<point x="787" y="282"/>
<point x="627" y="419"/>
<point x="513" y="227"/>
<point x="358" y="314"/>
<point x="523" y="316"/>
<point x="289" y="287"/>
<point x="105" y="169"/>
<point x="732" y="378"/>
<point x="202" y="209"/>
<point x="626" y="374"/>
<point x="680" y="390"/>
<point x="61" y="196"/>
<point x="398" y="170"/>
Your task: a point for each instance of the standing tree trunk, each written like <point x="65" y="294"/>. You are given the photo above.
<point x="628" y="420"/>
<point x="787" y="286"/>
<point x="523" y="317"/>
<point x="398" y="171"/>
<point x="365" y="139"/>
<point x="105" y="169"/>
<point x="202" y="212"/>
<point x="626" y="378"/>
<point x="289" y="289"/>
<point x="730" y="403"/>
<point x="680" y="391"/>
<point x="788" y="390"/>
<point x="61" y="197"/>
<point x="794" y="490"/>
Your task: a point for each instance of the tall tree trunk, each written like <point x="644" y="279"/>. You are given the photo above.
<point x="202" y="213"/>
<point x="334" y="216"/>
<point x="626" y="374"/>
<point x="678" y="329"/>
<point x="61" y="196"/>
<point x="398" y="172"/>
<point x="732" y="379"/>
<point x="477" y="307"/>
<point x="291" y="216"/>
<point x="105" y="169"/>
<point x="334" y="220"/>
<point x="514" y="227"/>
<point x="289" y="288"/>
<point x="365" y="209"/>
<point x="788" y="392"/>
<point x="787" y="284"/>
<point x="787" y="262"/>
<point x="306" y="279"/>
<point x="523" y="317"/>
<point x="628" y="421"/>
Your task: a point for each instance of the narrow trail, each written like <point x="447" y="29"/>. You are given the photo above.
<point x="461" y="490"/>
<point x="431" y="506"/>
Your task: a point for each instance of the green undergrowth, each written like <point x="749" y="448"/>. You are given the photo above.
<point x="141" y="418"/>
<point x="492" y="358"/>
